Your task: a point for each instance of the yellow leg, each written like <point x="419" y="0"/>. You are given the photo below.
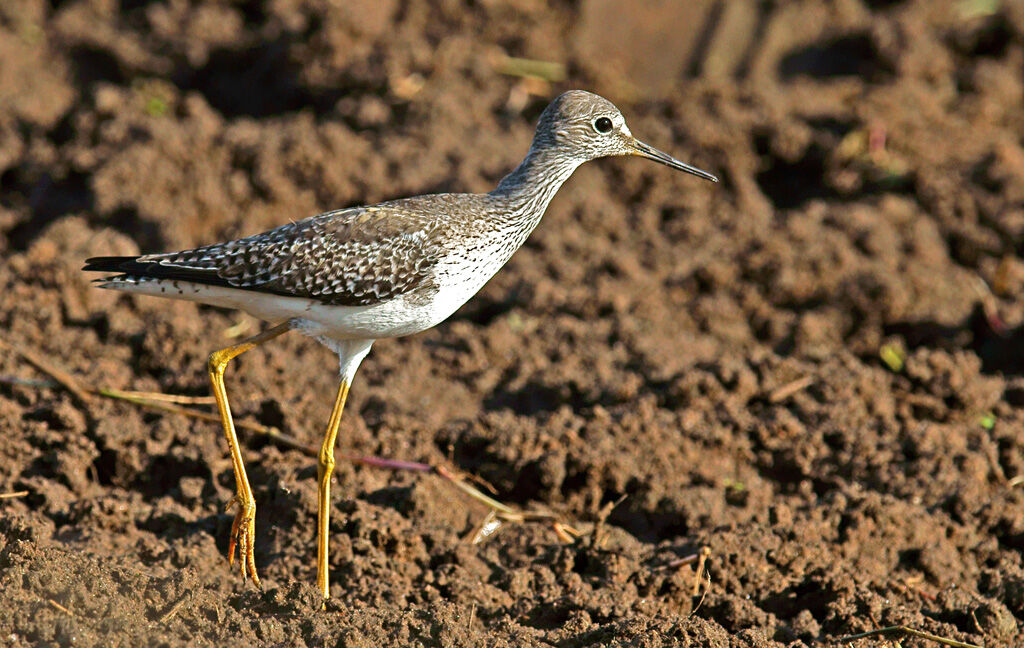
<point x="243" y="530"/>
<point x="325" y="468"/>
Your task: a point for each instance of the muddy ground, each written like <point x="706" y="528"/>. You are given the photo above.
<point x="815" y="369"/>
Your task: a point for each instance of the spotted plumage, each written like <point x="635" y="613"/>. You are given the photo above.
<point x="350" y="257"/>
<point x="352" y="276"/>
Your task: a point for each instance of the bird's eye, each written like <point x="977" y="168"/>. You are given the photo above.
<point x="602" y="124"/>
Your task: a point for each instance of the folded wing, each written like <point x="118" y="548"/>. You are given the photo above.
<point x="352" y="257"/>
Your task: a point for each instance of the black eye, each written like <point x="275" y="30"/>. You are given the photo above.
<point x="602" y="124"/>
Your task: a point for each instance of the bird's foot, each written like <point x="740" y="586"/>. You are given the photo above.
<point x="243" y="535"/>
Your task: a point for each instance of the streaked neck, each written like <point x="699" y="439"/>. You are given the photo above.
<point x="532" y="185"/>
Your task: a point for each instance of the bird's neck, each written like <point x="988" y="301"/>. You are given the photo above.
<point x="527" y="191"/>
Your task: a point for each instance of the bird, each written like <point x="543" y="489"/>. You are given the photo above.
<point x="355" y="275"/>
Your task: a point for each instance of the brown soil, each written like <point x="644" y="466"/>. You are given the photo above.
<point x="865" y="241"/>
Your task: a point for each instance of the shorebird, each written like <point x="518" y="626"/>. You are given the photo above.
<point x="352" y="276"/>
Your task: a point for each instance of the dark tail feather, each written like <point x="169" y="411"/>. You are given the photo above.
<point x="109" y="263"/>
<point x="131" y="267"/>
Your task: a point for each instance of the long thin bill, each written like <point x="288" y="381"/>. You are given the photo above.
<point x="651" y="153"/>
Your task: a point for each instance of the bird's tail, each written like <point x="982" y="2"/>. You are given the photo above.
<point x="109" y="263"/>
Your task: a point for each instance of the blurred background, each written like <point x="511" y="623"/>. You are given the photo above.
<point x="814" y="368"/>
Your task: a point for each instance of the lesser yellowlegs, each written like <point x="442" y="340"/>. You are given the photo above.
<point x="353" y="276"/>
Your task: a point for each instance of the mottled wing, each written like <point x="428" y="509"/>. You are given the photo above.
<point x="352" y="257"/>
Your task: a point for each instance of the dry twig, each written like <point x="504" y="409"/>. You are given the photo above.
<point x="598" y="537"/>
<point x="174" y="609"/>
<point x="701" y="561"/>
<point x="68" y="381"/>
<point x="707" y="588"/>
<point x="677" y="563"/>
<point x="910" y="632"/>
<point x="58" y="606"/>
<point x="780" y="394"/>
<point x="157" y="396"/>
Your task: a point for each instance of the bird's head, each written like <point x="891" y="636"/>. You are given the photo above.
<point x="587" y="126"/>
